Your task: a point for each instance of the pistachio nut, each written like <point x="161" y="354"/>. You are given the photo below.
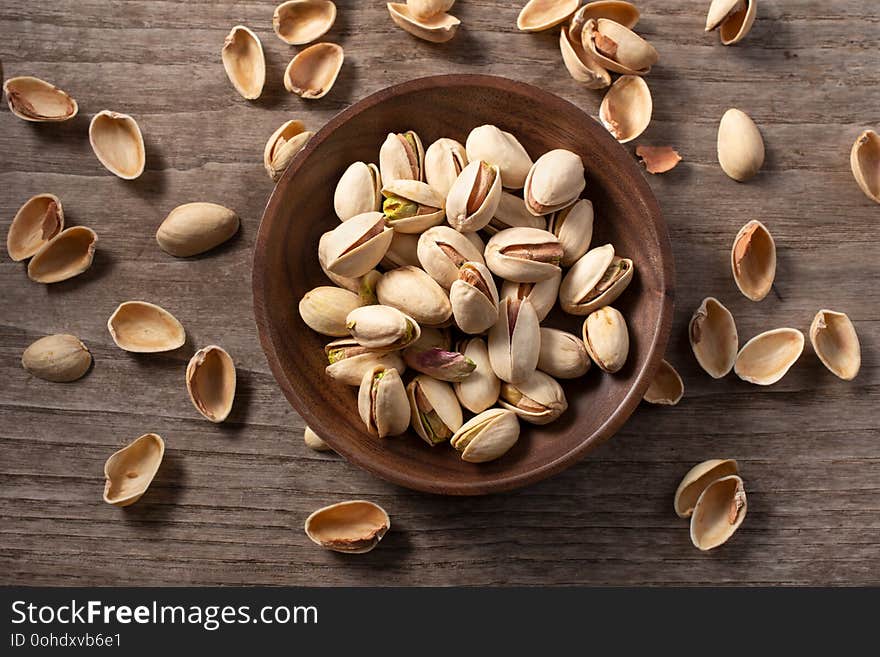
<point x="474" y="197"/>
<point x="367" y="287"/>
<point x="33" y="99"/>
<point x="442" y="250"/>
<point x="718" y="513"/>
<point x="606" y="339"/>
<point x="353" y="527"/>
<point x="59" y="358"/>
<point x="244" y="62"/>
<point x="412" y="291"/>
<point x="619" y="11"/>
<point x="753" y="260"/>
<point x="402" y="157"/>
<point x="382" y="328"/>
<point x="358" y="191"/>
<point x="696" y="480"/>
<point x="666" y="387"/>
<point x="193" y="228"/>
<point x="836" y="343"/>
<point x="283" y="145"/>
<point x="864" y="160"/>
<point x="440" y="364"/>
<point x="435" y="413"/>
<point x="595" y="280"/>
<point x="382" y="402"/>
<point x="474" y="298"/>
<point x="767" y="357"/>
<point x="324" y="309"/>
<point x="480" y="390"/>
<point x="524" y="255"/>
<point x="513" y="213"/>
<point x="130" y="471"/>
<point x="486" y="436"/>
<point x="515" y="340"/>
<point x="475" y="239"/>
<point x="314" y="441"/>
<point x="436" y="29"/>
<point x="404" y="251"/>
<point x="495" y="146"/>
<point x="145" y="328"/>
<point x="428" y="8"/>
<point x="713" y="337"/>
<point x="210" y="382"/>
<point x="627" y="107"/>
<point x="732" y="18"/>
<point x="37" y="221"/>
<point x="66" y="255"/>
<point x="118" y="144"/>
<point x="740" y="145"/>
<point x="573" y="227"/>
<point x="562" y="355"/>
<point x="355" y="246"/>
<point x="298" y="22"/>
<point x="538" y="15"/>
<point x="445" y="159"/>
<point x="555" y="181"/>
<point x="581" y="65"/>
<point x="411" y="206"/>
<point x="348" y="361"/>
<point x="313" y="72"/>
<point x="617" y="48"/>
<point x="537" y="400"/>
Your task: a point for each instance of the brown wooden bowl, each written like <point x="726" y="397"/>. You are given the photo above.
<point x="301" y="209"/>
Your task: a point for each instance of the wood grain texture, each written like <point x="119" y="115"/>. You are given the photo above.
<point x="228" y="504"/>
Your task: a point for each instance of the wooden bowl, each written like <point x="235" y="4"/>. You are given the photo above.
<point x="301" y="209"/>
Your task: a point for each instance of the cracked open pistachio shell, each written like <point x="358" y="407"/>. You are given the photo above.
<point x="713" y="337"/>
<point x="718" y="513"/>
<point x="524" y="255"/>
<point x="740" y="145"/>
<point x="542" y="294"/>
<point x="428" y="8"/>
<point x="325" y="308"/>
<point x="37" y="221"/>
<point x="624" y="13"/>
<point x="412" y="291"/>
<point x="312" y="73"/>
<point x="299" y="22"/>
<point x="515" y="340"/>
<point x="382" y="402"/>
<point x="513" y="213"/>
<point x="595" y="280"/>
<point x="358" y="191"/>
<point x="118" y="144"/>
<point x="355" y="246"/>
<point x="353" y="527"/>
<point x="439" y="364"/>
<point x="348" y="361"/>
<point x="481" y="388"/>
<point x="487" y="436"/>
<point x="402" y="157"/>
<point x="836" y="343"/>
<point x="606" y="339"/>
<point x="442" y="250"/>
<point x="555" y="181"/>
<point x="210" y="382"/>
<point x="438" y="28"/>
<point x="732" y="18"/>
<point x="753" y="260"/>
<point x="130" y="471"/>
<point x="573" y="227"/>
<point x="666" y="387"/>
<point x="194" y="228"/>
<point x="495" y="146"/>
<point x="411" y="206"/>
<point x="562" y="355"/>
<point x="864" y="159"/>
<point x="404" y="250"/>
<point x="537" y="400"/>
<point x="445" y="159"/>
<point x="696" y="480"/>
<point x="582" y="66"/>
<point x="627" y="107"/>
<point x="435" y="413"/>
<point x="474" y="298"/>
<point x="143" y="327"/>
<point x="474" y="197"/>
<point x="382" y="328"/>
<point x="66" y="255"/>
<point x="59" y="358"/>
<point x="283" y="145"/>
<point x="314" y="441"/>
<point x="538" y="15"/>
<point x="617" y="48"/>
<point x="244" y="62"/>
<point x="33" y="99"/>
<point x="767" y="357"/>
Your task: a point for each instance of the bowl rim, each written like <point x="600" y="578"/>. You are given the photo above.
<point x="501" y="482"/>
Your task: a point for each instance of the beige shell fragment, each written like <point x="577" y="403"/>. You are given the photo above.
<point x="753" y="260"/>
<point x="312" y="73"/>
<point x="37" y="221"/>
<point x="767" y="357"/>
<point x="732" y="18"/>
<point x="624" y="13"/>
<point x="627" y="107"/>
<point x="314" y="441"/>
<point x="658" y="159"/>
<point x="538" y="15"/>
<point x="713" y="337"/>
<point x="118" y="144"/>
<point x="836" y="343"/>
<point x="428" y="8"/>
<point x="130" y="471"/>
<point x="298" y="22"/>
<point x="66" y="255"/>
<point x="193" y="228"/>
<point x="352" y="527"/>
<point x="696" y="480"/>
<point x="437" y="29"/>
<point x="244" y="62"/>
<point x="59" y="358"/>
<point x="210" y="382"/>
<point x="283" y="145"/>
<point x="740" y="145"/>
<point x="33" y="99"/>
<point x="617" y="48"/>
<point x="582" y="66"/>
<point x="666" y="387"/>
<point x="864" y="159"/>
<point x="143" y="327"/>
<point x="719" y="512"/>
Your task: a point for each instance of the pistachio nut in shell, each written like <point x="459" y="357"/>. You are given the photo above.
<point x="282" y="147"/>
<point x="486" y="436"/>
<point x="555" y="181"/>
<point x="524" y="255"/>
<point x="836" y="343"/>
<point x="435" y="413"/>
<point x="436" y="29"/>
<point x="431" y="338"/>
<point x="210" y="382"/>
<point x="348" y="361"/>
<point x="666" y="387"/>
<point x="537" y="400"/>
<point x="562" y="355"/>
<point x="355" y="246"/>
<point x="382" y="402"/>
<point x="481" y="388"/>
<point x="495" y="146"/>
<point x="411" y="206"/>
<point x="382" y="328"/>
<point x="580" y="64"/>
<point x="713" y="337"/>
<point x="864" y="159"/>
<point x="539" y="15"/>
<point x="474" y="298"/>
<point x="314" y="442"/>
<point x="513" y="213"/>
<point x="732" y="18"/>
<point x="325" y="308"/>
<point x="439" y="364"/>
<point x="358" y="191"/>
<point x="445" y="159"/>
<point x="37" y="221"/>
<point x="619" y="11"/>
<point x="627" y="107"/>
<point x="718" y="513"/>
<point x="352" y="527"/>
<point x="541" y="294"/>
<point x="298" y="22"/>
<point x="313" y="72"/>
<point x="59" y="358"/>
<point x="66" y="255"/>
<point x="404" y="251"/>
<point x="118" y="144"/>
<point x="606" y="339"/>
<point x="428" y="8"/>
<point x="474" y="197"/>
<point x="696" y="480"/>
<point x="412" y="291"/>
<point x="38" y="101"/>
<point x="367" y="288"/>
<point x="595" y="280"/>
<point x="753" y="260"/>
<point x="130" y="471"/>
<point x="767" y="357"/>
<point x="515" y="340"/>
<point x="142" y="327"/>
<point x="740" y="145"/>
<point x="617" y="48"/>
<point x="573" y="227"/>
<point x="402" y="157"/>
<point x="442" y="250"/>
<point x="193" y="228"/>
<point x="244" y="62"/>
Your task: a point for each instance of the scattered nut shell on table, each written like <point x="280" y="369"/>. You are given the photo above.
<point x="382" y="402"/>
<point x="299" y="22"/>
<point x="713" y="337"/>
<point x="767" y="357"/>
<point x="486" y="436"/>
<point x="740" y="145"/>
<point x="38" y="101"/>
<point x="562" y="355"/>
<point x="314" y="442"/>
<point x="142" y="327"/>
<point x="37" y="221"/>
<point x="353" y="527"/>
<point x="66" y="255"/>
<point x="118" y="144"/>
<point x="718" y="513"/>
<point x="428" y="8"/>
<point x="732" y="18"/>
<point x="538" y="15"/>
<point x="438" y="28"/>
<point x="836" y="343"/>
<point x="666" y="387"/>
<point x="493" y="145"/>
<point x="617" y="48"/>
<point x="606" y="339"/>
<point x="313" y="72"/>
<point x="696" y="480"/>
<point x="210" y="382"/>
<point x="359" y="190"/>
<point x="244" y="62"/>
<point x="283" y="145"/>
<point x="658" y="159"/>
<point x="581" y="65"/>
<point x="865" y="163"/>
<point x="624" y="13"/>
<point x="435" y="411"/>
<point x="58" y="358"/>
<point x="193" y="228"/>
<point x="130" y="471"/>
<point x="627" y="107"/>
<point x="753" y="260"/>
<point x="445" y="159"/>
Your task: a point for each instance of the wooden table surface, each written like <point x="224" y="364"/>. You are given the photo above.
<point x="228" y="503"/>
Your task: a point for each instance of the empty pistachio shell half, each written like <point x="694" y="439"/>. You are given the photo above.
<point x="718" y="513"/>
<point x="412" y="291"/>
<point x="358" y="191"/>
<point x="348" y="361"/>
<point x="513" y="213"/>
<point x="143" y="327"/>
<point x="696" y="480"/>
<point x="617" y="48"/>
<point x="402" y="157"/>
<point x="411" y="206"/>
<point x="732" y="18"/>
<point x="428" y="8"/>
<point x="382" y="402"/>
<point x="353" y="527"/>
<point x="439" y="28"/>
<point x="244" y="62"/>
<point x="193" y="228"/>
<point x="541" y="294"/>
<point x="753" y="260"/>
<point x="435" y="413"/>
<point x="573" y="227"/>
<point x="555" y="181"/>
<point x="355" y="246"/>
<point x="713" y="337"/>
<point x="767" y="357"/>
<point x="210" y="382"/>
<point x="537" y="400"/>
<point x="474" y="298"/>
<point x="33" y="99"/>
<point x="836" y="343"/>
<point x="118" y="144"/>
<point x="324" y="309"/>
<point x="626" y="109"/>
<point x="314" y="441"/>
<point x="312" y="73"/>
<point x="582" y="66"/>
<point x="474" y="197"/>
<point x="298" y="22"/>
<point x="515" y="340"/>
<point x="442" y="250"/>
<point x="658" y="159"/>
<point x="666" y="387"/>
<point x="382" y="328"/>
<point x="740" y="145"/>
<point x="606" y="338"/>
<point x="481" y="388"/>
<point x="60" y="358"/>
<point x="130" y="471"/>
<point x="66" y="255"/>
<point x="864" y="160"/>
<point x="486" y="436"/>
<point x="524" y="255"/>
<point x="445" y="159"/>
<point x="37" y="221"/>
<point x="618" y="11"/>
<point x="595" y="280"/>
<point x="562" y="354"/>
<point x="538" y="15"/>
<point x="495" y="146"/>
<point x="283" y="145"/>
